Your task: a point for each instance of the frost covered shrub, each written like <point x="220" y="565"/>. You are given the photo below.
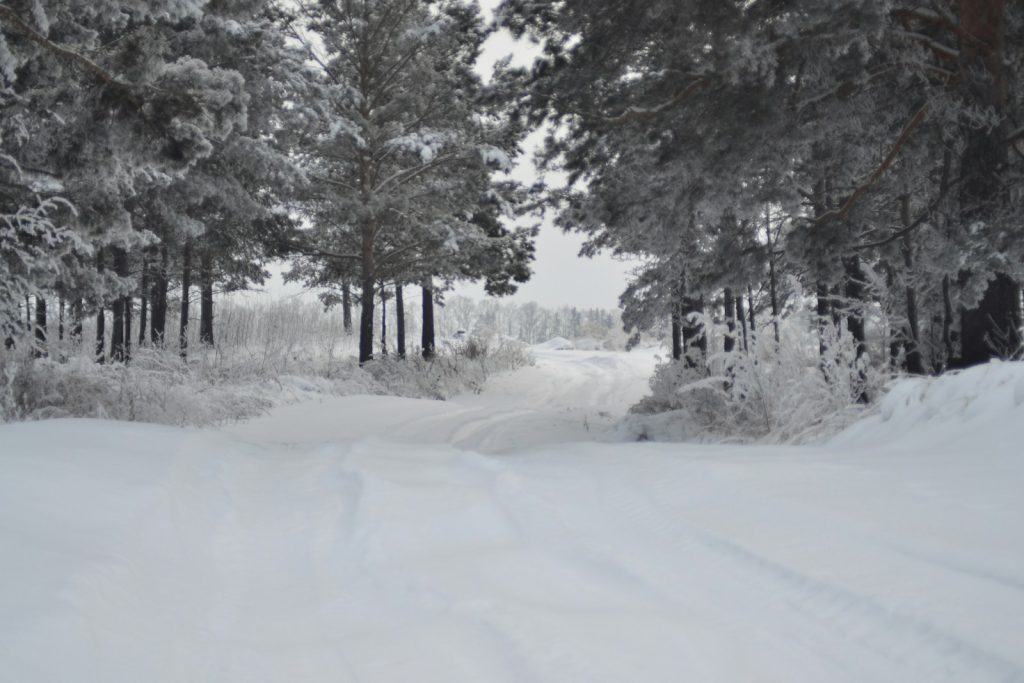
<point x="226" y="384"/>
<point x="456" y="367"/>
<point x="156" y="387"/>
<point x="788" y="392"/>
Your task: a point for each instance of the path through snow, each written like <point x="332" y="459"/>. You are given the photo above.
<point x="379" y="539"/>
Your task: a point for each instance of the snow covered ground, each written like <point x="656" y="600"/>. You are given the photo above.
<point x="504" y="537"/>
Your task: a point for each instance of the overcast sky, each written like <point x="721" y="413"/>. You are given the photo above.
<point x="561" y="276"/>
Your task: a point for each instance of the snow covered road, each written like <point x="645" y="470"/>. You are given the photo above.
<point x="379" y="539"/>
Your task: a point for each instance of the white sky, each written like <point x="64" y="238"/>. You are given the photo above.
<point x="561" y="276"/>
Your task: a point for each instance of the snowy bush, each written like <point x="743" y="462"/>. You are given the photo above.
<point x="232" y="382"/>
<point x="790" y="392"/>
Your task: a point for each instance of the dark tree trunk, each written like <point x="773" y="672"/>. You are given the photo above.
<point x="383" y="321"/>
<point x="824" y="316"/>
<point x="677" y="335"/>
<point x="695" y="338"/>
<point x="772" y="286"/>
<point x="40" y="326"/>
<point x="368" y="274"/>
<point x="400" y="320"/>
<point x="101" y="335"/>
<point x="915" y="360"/>
<point x="346" y="308"/>
<point x="61" y="309"/>
<point x="77" y="316"/>
<point x="750" y="311"/>
<point x="427" y="333"/>
<point x="730" y="321"/>
<point x="855" y="303"/>
<point x="992" y="328"/>
<point x="117" y="339"/>
<point x="947" y="320"/>
<point x="100" y="316"/>
<point x="186" y="289"/>
<point x="158" y="300"/>
<point x="206" y="301"/>
<point x="144" y="302"/>
<point x="29" y="324"/>
<point x="740" y="316"/>
<point x="366" y="320"/>
<point x="129" y="302"/>
<point x="855" y="292"/>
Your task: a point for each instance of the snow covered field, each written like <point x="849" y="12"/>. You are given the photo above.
<point x="506" y="537"/>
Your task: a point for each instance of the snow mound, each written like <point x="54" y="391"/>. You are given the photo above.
<point x="556" y="344"/>
<point x="983" y="405"/>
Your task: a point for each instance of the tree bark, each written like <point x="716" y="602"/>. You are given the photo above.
<point x="383" y="321"/>
<point x="823" y="311"/>
<point x="427" y="332"/>
<point x="346" y="308"/>
<point x="143" y="301"/>
<point x="61" y="307"/>
<point x="206" y="300"/>
<point x="77" y="315"/>
<point x="117" y="348"/>
<point x="158" y="298"/>
<point x="186" y="287"/>
<point x="129" y="301"/>
<point x="100" y="316"/>
<point x="915" y="360"/>
<point x="740" y="316"/>
<point x="772" y="287"/>
<point x="677" y="334"/>
<point x="729" y="343"/>
<point x="992" y="328"/>
<point x="368" y="275"/>
<point x="400" y="320"/>
<point x="40" y="326"/>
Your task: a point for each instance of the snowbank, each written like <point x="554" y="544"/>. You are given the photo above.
<point x="555" y="344"/>
<point x="978" y="407"/>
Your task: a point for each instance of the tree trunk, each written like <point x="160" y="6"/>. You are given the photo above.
<point x="772" y="286"/>
<point x="855" y="313"/>
<point x="100" y="316"/>
<point x="695" y="338"/>
<point x="740" y="316"/>
<point x="77" y="316"/>
<point x="677" y="334"/>
<point x="101" y="336"/>
<point x="346" y="308"/>
<point x="143" y="302"/>
<point x="915" y="360"/>
<point x="750" y="311"/>
<point x="206" y="301"/>
<point x="186" y="287"/>
<point x="368" y="275"/>
<point x="400" y="320"/>
<point x="61" y="307"/>
<point x="427" y="333"/>
<point x="992" y="328"/>
<point x="823" y="311"/>
<point x="730" y="321"/>
<point x="129" y="302"/>
<point x="117" y="330"/>
<point x="40" y="327"/>
<point x="383" y="321"/>
<point x="158" y="299"/>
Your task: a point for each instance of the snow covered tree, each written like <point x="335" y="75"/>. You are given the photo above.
<point x="401" y="146"/>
